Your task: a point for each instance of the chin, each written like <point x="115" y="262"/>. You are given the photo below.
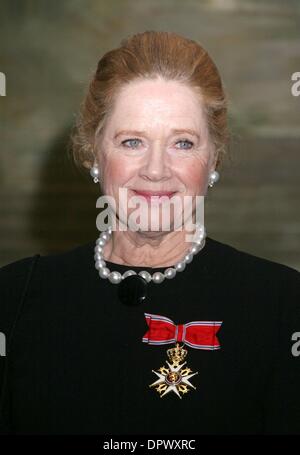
<point x="151" y="234"/>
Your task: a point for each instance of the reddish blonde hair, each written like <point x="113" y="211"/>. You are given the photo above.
<point x="146" y="56"/>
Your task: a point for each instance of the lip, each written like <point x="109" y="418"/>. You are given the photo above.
<point x="149" y="194"/>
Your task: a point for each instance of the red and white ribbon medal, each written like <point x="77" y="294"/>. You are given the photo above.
<point x="197" y="334"/>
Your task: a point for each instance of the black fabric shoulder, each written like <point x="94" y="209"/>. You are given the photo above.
<point x="220" y="249"/>
<point x="14" y="283"/>
<point x="260" y="266"/>
<point x="281" y="407"/>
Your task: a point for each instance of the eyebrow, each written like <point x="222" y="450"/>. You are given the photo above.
<point x="142" y="133"/>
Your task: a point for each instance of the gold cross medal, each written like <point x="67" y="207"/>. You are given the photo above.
<point x="196" y="334"/>
<point x="175" y="378"/>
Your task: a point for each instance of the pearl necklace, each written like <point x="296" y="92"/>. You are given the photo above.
<point x="157" y="277"/>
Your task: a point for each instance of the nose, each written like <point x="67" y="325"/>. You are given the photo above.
<point x="156" y="165"/>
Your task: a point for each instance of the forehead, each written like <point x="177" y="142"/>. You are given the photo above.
<point x="157" y="103"/>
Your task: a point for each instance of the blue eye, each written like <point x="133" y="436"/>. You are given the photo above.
<point x="185" y="141"/>
<point x="134" y="141"/>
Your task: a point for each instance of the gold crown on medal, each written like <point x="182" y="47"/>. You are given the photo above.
<point x="177" y="354"/>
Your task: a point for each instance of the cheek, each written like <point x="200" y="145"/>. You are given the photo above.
<point x="194" y="176"/>
<point x="116" y="172"/>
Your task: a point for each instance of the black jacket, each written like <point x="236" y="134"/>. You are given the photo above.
<point x="75" y="362"/>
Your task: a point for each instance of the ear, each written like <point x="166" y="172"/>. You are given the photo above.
<point x="214" y="161"/>
<point x="87" y="164"/>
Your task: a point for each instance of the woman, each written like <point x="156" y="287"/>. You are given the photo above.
<point x="150" y="331"/>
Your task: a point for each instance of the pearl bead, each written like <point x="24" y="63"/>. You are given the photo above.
<point x="98" y="257"/>
<point x="105" y="236"/>
<point x="101" y="242"/>
<point x="115" y="277"/>
<point x="128" y="273"/>
<point x="170" y="273"/>
<point x="196" y="248"/>
<point x="200" y="227"/>
<point x="180" y="266"/>
<point x="146" y="275"/>
<point x="94" y="171"/>
<point x="215" y="176"/>
<point x="100" y="264"/>
<point x="188" y="258"/>
<point x="104" y="272"/>
<point x="198" y="240"/>
<point x="99" y="249"/>
<point x="158" y="277"/>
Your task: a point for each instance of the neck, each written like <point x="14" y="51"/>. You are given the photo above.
<point x="146" y="249"/>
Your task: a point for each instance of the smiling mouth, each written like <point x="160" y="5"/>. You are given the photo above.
<point x="157" y="194"/>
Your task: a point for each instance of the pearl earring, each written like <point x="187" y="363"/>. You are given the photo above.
<point x="94" y="172"/>
<point x="213" y="178"/>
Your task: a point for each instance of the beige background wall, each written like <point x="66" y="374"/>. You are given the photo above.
<point x="48" y="52"/>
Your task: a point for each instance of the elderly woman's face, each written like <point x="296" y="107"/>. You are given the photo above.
<point x="156" y="140"/>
